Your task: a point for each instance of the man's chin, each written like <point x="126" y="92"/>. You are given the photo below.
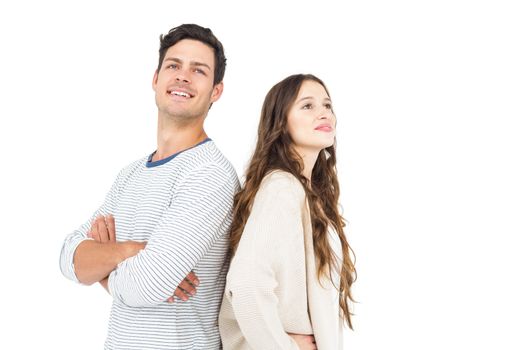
<point x="184" y="117"/>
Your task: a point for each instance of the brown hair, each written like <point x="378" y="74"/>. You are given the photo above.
<point x="195" y="32"/>
<point x="274" y="151"/>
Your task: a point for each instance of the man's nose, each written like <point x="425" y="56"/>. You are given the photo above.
<point x="183" y="77"/>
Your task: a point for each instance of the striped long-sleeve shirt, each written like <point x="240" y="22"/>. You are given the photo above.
<point x="181" y="206"/>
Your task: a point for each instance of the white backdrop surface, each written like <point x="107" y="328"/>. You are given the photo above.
<point x="429" y="97"/>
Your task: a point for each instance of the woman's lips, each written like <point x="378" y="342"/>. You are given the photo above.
<point x="325" y="128"/>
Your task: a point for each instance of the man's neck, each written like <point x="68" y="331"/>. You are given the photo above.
<point x="173" y="138"/>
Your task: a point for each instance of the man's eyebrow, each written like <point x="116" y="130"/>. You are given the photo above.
<point x="174" y="59"/>
<point x="192" y="63"/>
<point x="199" y="64"/>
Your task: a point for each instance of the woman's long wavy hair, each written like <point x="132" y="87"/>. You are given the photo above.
<point x="274" y="151"/>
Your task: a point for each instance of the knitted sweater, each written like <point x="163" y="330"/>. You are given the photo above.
<point x="272" y="287"/>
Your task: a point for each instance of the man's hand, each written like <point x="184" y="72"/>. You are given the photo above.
<point x="305" y="342"/>
<point x="103" y="231"/>
<point x="186" y="289"/>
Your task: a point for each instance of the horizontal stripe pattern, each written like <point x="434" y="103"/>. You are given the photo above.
<point x="183" y="209"/>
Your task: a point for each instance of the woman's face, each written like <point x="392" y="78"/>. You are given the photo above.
<point x="311" y="121"/>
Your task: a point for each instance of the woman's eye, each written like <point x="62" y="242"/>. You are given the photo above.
<point x="307" y="106"/>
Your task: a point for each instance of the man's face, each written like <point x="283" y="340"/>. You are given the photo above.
<point x="184" y="84"/>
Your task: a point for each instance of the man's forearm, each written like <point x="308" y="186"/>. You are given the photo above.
<point x="104" y="284"/>
<point x="94" y="261"/>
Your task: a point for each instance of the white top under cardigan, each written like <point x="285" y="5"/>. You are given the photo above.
<point x="272" y="287"/>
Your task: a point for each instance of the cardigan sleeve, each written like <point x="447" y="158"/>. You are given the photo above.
<point x="267" y="241"/>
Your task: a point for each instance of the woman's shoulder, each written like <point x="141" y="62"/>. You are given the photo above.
<point x="279" y="181"/>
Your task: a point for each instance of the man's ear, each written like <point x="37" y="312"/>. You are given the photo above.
<point x="217" y="92"/>
<point x="155" y="79"/>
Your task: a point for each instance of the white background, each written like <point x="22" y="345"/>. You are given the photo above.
<point x="430" y="99"/>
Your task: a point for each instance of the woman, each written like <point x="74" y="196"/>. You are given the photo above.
<point x="289" y="282"/>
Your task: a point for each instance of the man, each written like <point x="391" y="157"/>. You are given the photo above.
<point x="178" y="200"/>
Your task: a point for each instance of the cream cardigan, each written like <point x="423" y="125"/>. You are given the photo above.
<point x="272" y="287"/>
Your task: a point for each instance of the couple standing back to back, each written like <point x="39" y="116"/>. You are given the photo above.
<point x="193" y="261"/>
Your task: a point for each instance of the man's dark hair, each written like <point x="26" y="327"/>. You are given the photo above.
<point x="195" y="32"/>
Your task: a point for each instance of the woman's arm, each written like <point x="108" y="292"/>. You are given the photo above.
<point x="268" y="239"/>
